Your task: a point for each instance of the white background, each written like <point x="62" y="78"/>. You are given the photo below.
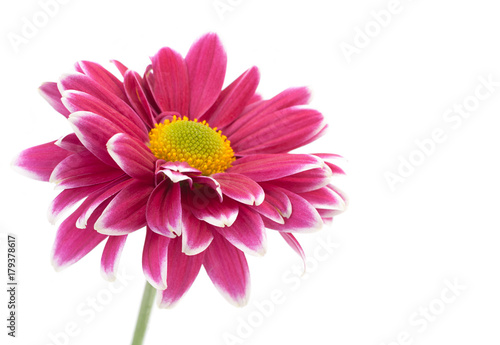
<point x="395" y="249"/>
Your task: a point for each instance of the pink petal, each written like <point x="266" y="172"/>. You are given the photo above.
<point x="127" y="211"/>
<point x="255" y="98"/>
<point x="329" y="158"/>
<point x="154" y="259"/>
<point x="264" y="167"/>
<point x="166" y="115"/>
<point x="278" y="199"/>
<point x="148" y="83"/>
<point x="304" y="217"/>
<point x="289" y="129"/>
<point x="85" y="84"/>
<point x="305" y="181"/>
<point x="209" y="182"/>
<point x="323" y="130"/>
<point x="228" y="269"/>
<point x="267" y="210"/>
<point x="94" y="132"/>
<point x="196" y="234"/>
<point x="175" y="176"/>
<point x="295" y="245"/>
<point x="68" y="198"/>
<point x="263" y="110"/>
<point x="138" y="98"/>
<point x="38" y="162"/>
<point x="111" y="256"/>
<point x="240" y="188"/>
<point x="341" y="193"/>
<point x="247" y="233"/>
<point x="51" y="94"/>
<point x="71" y="143"/>
<point x="233" y="99"/>
<point x="132" y="156"/>
<point x="171" y="81"/>
<point x="80" y="101"/>
<point x="82" y="169"/>
<point x="103" y="77"/>
<point x="182" y="271"/>
<point x="71" y="243"/>
<point x="101" y="195"/>
<point x="206" y="64"/>
<point x="121" y="67"/>
<point x="164" y="209"/>
<point x="181" y="167"/>
<point x="205" y="205"/>
<point x="325" y="198"/>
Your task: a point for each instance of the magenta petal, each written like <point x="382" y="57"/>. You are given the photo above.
<point x="305" y="181"/>
<point x="38" y="162"/>
<point x="206" y="64"/>
<point x="164" y="209"/>
<point x="247" y="232"/>
<point x="121" y="67"/>
<point x="71" y="243"/>
<point x="205" y="205"/>
<point x="171" y="81"/>
<point x="340" y="192"/>
<point x="255" y="98"/>
<point x="182" y="167"/>
<point x="127" y="211"/>
<point x="51" y="94"/>
<point x="85" y="84"/>
<point x="264" y="167"/>
<point x="228" y="269"/>
<point x="148" y="84"/>
<point x="100" y="196"/>
<point x="196" y="234"/>
<point x="233" y="99"/>
<point x="278" y="199"/>
<point x="103" y="77"/>
<point x="111" y="256"/>
<point x="182" y="271"/>
<point x="289" y="129"/>
<point x="83" y="169"/>
<point x="80" y="101"/>
<point x="240" y="188"/>
<point x="209" y="182"/>
<point x="132" y="156"/>
<point x="138" y="98"/>
<point x="329" y="158"/>
<point x="295" y="245"/>
<point x="267" y="210"/>
<point x="264" y="109"/>
<point x="304" y="217"/>
<point x="71" y="143"/>
<point x="68" y="198"/>
<point x="325" y="198"/>
<point x="94" y="132"/>
<point x="154" y="259"/>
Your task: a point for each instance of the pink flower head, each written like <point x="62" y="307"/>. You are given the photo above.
<point x="204" y="169"/>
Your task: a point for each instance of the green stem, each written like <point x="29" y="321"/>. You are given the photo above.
<point x="148" y="297"/>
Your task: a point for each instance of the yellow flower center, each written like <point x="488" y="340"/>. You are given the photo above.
<point x="193" y="142"/>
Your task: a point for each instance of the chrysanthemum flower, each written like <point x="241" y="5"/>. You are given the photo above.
<point x="204" y="170"/>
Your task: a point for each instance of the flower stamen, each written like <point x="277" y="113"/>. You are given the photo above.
<point x="193" y="142"/>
